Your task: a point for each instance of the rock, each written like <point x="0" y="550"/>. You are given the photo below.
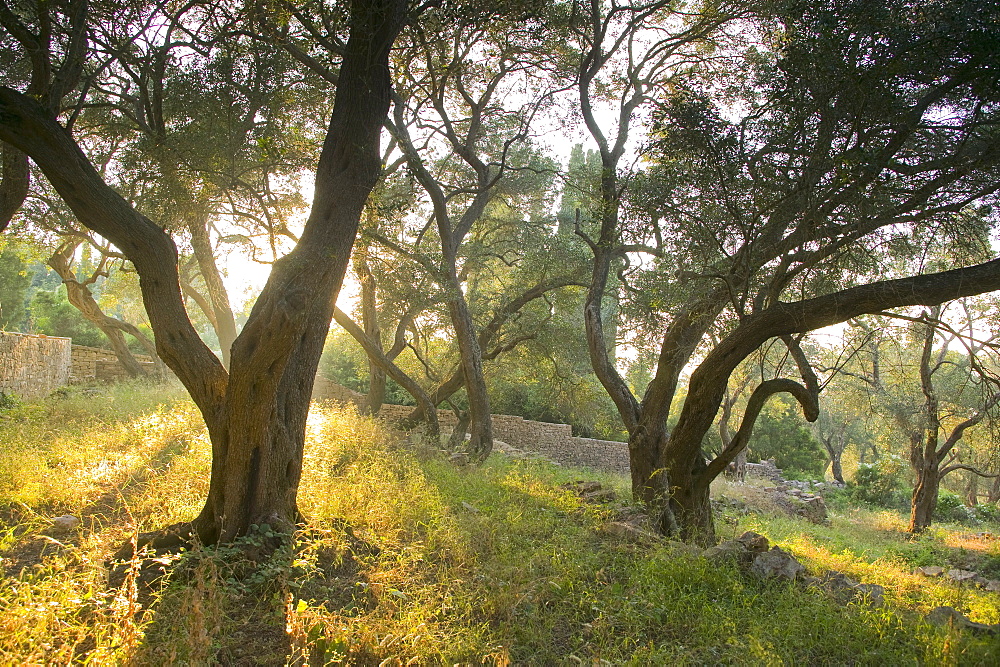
<point x="581" y="487"/>
<point x="734" y="503"/>
<point x="65" y="522"/>
<point x="629" y="532"/>
<point x="459" y="458"/>
<point x="837" y="581"/>
<point x="929" y="571"/>
<point x="730" y="551"/>
<point x="469" y="507"/>
<point x="754" y="542"/>
<point x="601" y="496"/>
<point x="776" y="564"/>
<point x="959" y="576"/>
<point x="873" y="593"/>
<point x="814" y="510"/>
<point x="740" y="551"/>
<point x="945" y="616"/>
<point x="846" y="589"/>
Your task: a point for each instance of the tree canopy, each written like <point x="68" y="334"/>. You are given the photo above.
<point x="753" y="172"/>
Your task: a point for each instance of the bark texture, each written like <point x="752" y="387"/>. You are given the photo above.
<point x="14" y="180"/>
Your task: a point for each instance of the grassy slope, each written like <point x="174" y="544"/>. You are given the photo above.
<point x="445" y="565"/>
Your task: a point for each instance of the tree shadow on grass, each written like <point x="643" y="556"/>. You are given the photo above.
<point x="35" y="540"/>
<point x="228" y="604"/>
<point x="222" y="605"/>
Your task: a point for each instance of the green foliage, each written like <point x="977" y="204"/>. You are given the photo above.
<point x="14" y="283"/>
<point x="52" y="315"/>
<point x="344" y="362"/>
<point x="951" y="507"/>
<point x="782" y="434"/>
<point x="8" y="401"/>
<point x="989" y="512"/>
<point x="878" y="483"/>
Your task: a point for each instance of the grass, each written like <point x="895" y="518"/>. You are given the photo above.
<point x="407" y="559"/>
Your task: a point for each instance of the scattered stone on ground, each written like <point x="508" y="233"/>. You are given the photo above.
<point x="776" y="564"/>
<point x="929" y="570"/>
<point x="580" y="487"/>
<point x="591" y="492"/>
<point x="65" y="522"/>
<point x="945" y="616"/>
<point x="810" y="507"/>
<point x="750" y="551"/>
<point x="725" y="502"/>
<point x="769" y="471"/>
<point x="814" y="509"/>
<point x="742" y="550"/>
<point x="791" y="497"/>
<point x="845" y="589"/>
<point x="960" y="576"/>
<point x="753" y="553"/>
<point x="601" y="496"/>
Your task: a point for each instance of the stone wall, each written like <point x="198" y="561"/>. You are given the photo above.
<point x="324" y="389"/>
<point x="33" y="365"/>
<point x="765" y="470"/>
<point x="554" y="441"/>
<point x="94" y="363"/>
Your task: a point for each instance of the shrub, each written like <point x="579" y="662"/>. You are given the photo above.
<point x="989" y="512"/>
<point x="950" y="507"/>
<point x="8" y="401"/>
<point x="878" y="483"/>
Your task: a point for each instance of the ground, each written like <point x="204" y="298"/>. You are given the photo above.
<point x="410" y="559"/>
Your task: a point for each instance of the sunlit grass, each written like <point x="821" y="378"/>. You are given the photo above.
<point x="409" y="559"/>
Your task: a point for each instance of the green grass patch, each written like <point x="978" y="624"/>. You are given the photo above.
<point x="408" y="559"/>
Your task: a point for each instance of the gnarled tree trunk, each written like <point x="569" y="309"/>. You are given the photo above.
<point x="480" y="421"/>
<point x="256" y="412"/>
<point x="925" y="495"/>
<point x="80" y="297"/>
<point x="369" y="321"/>
<point x="223" y="320"/>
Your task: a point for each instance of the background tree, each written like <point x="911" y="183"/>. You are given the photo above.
<point x="854" y="133"/>
<point x="14" y="282"/>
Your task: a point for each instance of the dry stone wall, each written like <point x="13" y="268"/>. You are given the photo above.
<point x="554" y="441"/>
<point x="94" y="363"/>
<point x="33" y="365"/>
